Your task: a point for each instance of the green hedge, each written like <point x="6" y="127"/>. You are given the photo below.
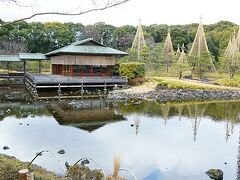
<point x="180" y="84"/>
<point x="229" y="82"/>
<point x="132" y="69"/>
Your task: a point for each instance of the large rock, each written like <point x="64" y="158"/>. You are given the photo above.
<point x="215" y="174"/>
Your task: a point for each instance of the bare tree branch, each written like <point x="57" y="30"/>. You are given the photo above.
<point x="108" y="5"/>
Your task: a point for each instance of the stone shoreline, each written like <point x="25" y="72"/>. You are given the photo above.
<point x="164" y="95"/>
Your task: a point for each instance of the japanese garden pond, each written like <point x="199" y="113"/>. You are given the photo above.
<point x="154" y="140"/>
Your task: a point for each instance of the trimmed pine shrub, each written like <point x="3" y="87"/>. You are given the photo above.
<point x="132" y="69"/>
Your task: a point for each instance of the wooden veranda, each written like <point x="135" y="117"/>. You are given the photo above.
<point x="37" y="82"/>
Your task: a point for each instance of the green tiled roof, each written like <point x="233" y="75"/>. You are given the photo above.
<point x="22" y="57"/>
<point x="9" y="58"/>
<point x="32" y="56"/>
<point x="87" y="46"/>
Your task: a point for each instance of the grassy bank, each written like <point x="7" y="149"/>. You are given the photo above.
<point x="174" y="83"/>
<point x="9" y="167"/>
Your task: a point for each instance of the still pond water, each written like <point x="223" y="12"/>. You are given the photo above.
<point x="155" y="141"/>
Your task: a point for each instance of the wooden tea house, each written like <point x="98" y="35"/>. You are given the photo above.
<point x="86" y="58"/>
<point x="81" y="65"/>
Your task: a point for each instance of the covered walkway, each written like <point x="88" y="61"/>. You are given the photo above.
<point x="20" y="58"/>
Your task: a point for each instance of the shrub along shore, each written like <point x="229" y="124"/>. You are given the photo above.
<point x="9" y="167"/>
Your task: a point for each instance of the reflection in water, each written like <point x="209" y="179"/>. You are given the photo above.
<point x="238" y="160"/>
<point x="86" y="115"/>
<point x="137" y="122"/>
<point x="180" y="111"/>
<point x="90" y="115"/>
<point x="196" y="113"/>
<point x="167" y="150"/>
<point x="165" y="112"/>
<point x="21" y="110"/>
<point x="222" y="111"/>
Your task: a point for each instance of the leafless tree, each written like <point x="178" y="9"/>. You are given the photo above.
<point x="11" y="47"/>
<point x="98" y="5"/>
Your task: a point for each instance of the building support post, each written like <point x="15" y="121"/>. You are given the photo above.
<point x="8" y="67"/>
<point x="51" y="71"/>
<point x="24" y="71"/>
<point x="35" y="92"/>
<point x="59" y="92"/>
<point x="8" y="70"/>
<point x="105" y="89"/>
<point x="82" y="90"/>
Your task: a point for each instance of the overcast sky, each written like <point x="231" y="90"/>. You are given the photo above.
<point x="150" y="11"/>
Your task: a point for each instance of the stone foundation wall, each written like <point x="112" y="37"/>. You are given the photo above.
<point x="164" y="95"/>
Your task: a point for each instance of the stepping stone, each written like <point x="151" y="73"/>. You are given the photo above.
<point x="6" y="147"/>
<point x="61" y="151"/>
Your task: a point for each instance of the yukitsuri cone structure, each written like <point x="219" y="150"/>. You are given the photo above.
<point x="232" y="49"/>
<point x="168" y="51"/>
<point x="139" y="41"/>
<point x="200" y="46"/>
<point x="238" y="39"/>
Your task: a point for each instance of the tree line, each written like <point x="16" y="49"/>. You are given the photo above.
<point x="44" y="37"/>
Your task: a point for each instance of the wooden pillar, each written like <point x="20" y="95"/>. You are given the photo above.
<point x="24" y="67"/>
<point x="59" y="92"/>
<point x="112" y="67"/>
<point x="82" y="90"/>
<point x="105" y="89"/>
<point x="50" y="67"/>
<point x="8" y="67"/>
<point x="59" y="68"/>
<point x="91" y="70"/>
<point x="53" y="70"/>
<point x="71" y="70"/>
<point x="39" y="67"/>
<point x="67" y="69"/>
<point x="101" y="70"/>
<point x="81" y="70"/>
